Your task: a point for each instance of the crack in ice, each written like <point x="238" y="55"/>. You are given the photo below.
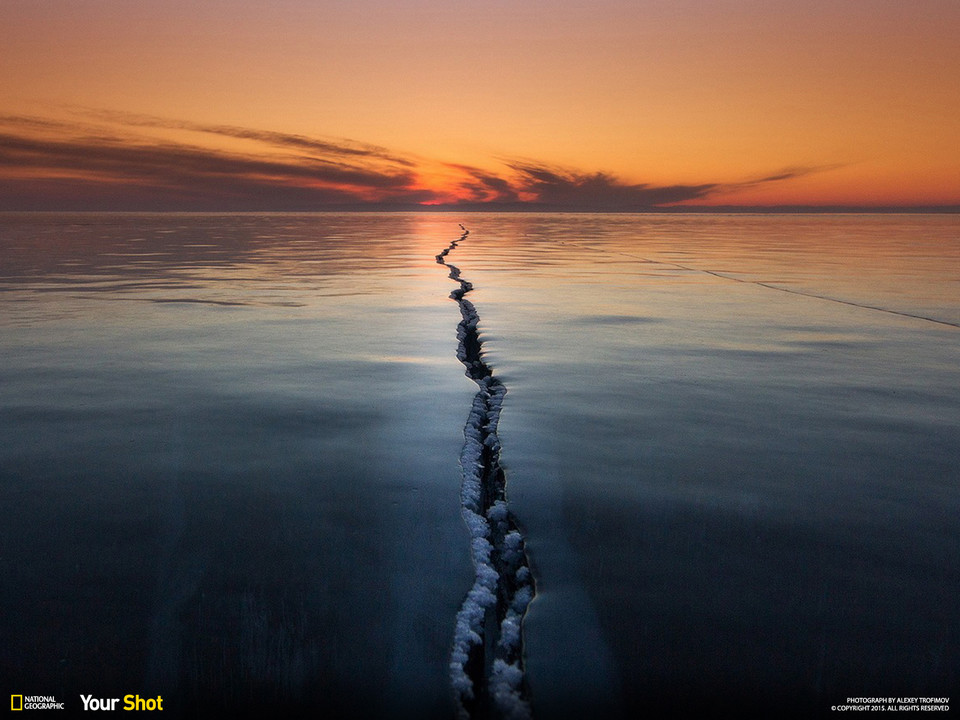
<point x="780" y="288"/>
<point x="487" y="663"/>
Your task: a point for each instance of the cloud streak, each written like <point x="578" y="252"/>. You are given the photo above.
<point x="114" y="163"/>
<point x="101" y="169"/>
<point x="345" y="148"/>
<point x="171" y="163"/>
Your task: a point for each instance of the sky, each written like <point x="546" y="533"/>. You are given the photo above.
<point x="565" y="105"/>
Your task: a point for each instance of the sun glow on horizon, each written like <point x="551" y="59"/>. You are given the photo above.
<point x="604" y="105"/>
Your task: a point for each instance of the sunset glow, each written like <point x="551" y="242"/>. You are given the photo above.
<point x="606" y="105"/>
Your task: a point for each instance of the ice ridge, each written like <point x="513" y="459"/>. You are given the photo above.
<point x="486" y="663"/>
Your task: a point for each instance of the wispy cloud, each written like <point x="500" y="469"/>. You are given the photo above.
<point x="178" y="163"/>
<point x="790" y="173"/>
<point x="326" y="147"/>
<point x="110" y="159"/>
<point x="45" y="154"/>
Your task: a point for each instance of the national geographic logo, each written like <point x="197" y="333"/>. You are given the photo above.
<point x="49" y="702"/>
<point x="34" y="702"/>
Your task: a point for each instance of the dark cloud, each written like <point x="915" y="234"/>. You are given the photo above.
<point x="570" y="190"/>
<point x="234" y="194"/>
<point x="54" y="164"/>
<point x="537" y="186"/>
<point x="51" y="158"/>
<point x="179" y="163"/>
<point x="484" y="186"/>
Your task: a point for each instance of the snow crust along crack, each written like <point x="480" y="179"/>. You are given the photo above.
<point x="487" y="661"/>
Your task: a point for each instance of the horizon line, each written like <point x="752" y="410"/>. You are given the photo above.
<point x="529" y="208"/>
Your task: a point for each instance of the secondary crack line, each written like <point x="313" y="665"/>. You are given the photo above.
<point x="778" y="288"/>
<point x="487" y="663"/>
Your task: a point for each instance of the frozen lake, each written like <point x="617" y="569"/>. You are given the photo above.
<point x="230" y="457"/>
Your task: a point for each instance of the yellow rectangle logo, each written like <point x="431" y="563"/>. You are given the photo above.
<point x="16" y="702"/>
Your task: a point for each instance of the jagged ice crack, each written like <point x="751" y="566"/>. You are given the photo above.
<point x="486" y="663"/>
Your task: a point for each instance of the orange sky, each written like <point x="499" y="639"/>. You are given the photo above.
<point x="606" y="104"/>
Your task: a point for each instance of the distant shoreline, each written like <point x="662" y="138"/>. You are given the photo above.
<point x="525" y="209"/>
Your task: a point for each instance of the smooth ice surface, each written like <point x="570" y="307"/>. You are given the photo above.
<point x="230" y="446"/>
<point x="229" y="456"/>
